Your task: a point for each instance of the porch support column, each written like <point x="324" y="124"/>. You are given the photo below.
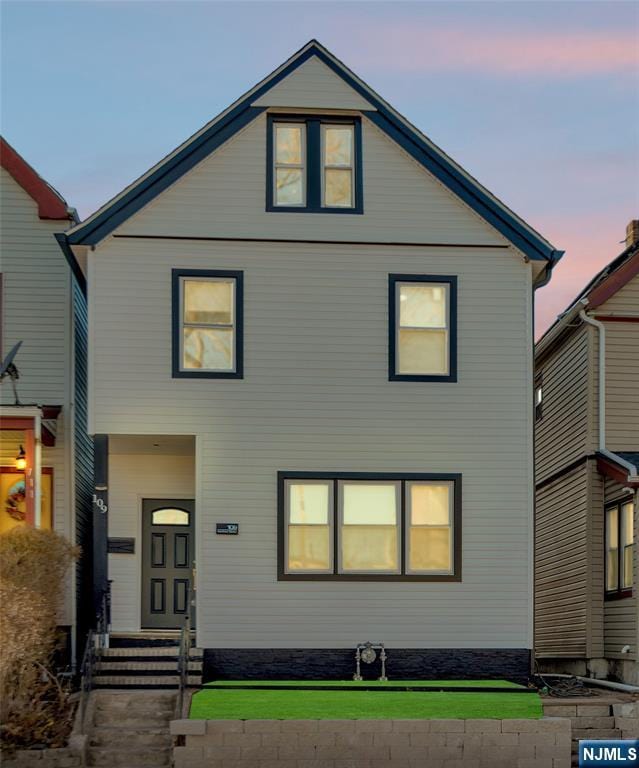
<point x="100" y="519"/>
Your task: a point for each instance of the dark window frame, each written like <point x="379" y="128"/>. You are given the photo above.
<point x="313" y="163"/>
<point x="176" y="323"/>
<point x="393" y="357"/>
<point x="620" y="593"/>
<point x="402" y="478"/>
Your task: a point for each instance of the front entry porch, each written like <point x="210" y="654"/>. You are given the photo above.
<point x="144" y="532"/>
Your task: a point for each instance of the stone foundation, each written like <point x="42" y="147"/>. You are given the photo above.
<point x="372" y="743"/>
<point x="44" y="758"/>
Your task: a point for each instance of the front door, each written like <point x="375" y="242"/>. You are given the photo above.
<point x="168" y="553"/>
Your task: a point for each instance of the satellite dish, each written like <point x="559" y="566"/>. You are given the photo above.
<point x="10" y="370"/>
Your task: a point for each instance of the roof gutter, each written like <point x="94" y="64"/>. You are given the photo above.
<point x="572" y="313"/>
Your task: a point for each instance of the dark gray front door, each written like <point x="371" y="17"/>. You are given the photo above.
<point x="168" y="554"/>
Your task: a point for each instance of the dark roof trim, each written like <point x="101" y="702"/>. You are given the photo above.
<point x="614" y="282"/>
<point x="607" y="465"/>
<point x="145" y="190"/>
<point x="51" y="205"/>
<point x="72" y="261"/>
<point x="164" y="176"/>
<point x="599" y="289"/>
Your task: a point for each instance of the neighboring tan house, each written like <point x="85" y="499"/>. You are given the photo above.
<point x="46" y="456"/>
<point x="311" y="376"/>
<point x="587" y="475"/>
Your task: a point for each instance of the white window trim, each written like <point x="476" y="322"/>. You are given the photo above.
<point x="287" y="524"/>
<point x="223" y="326"/>
<point x="324" y="165"/>
<point x="398" y="327"/>
<point x="398" y="525"/>
<point x="290" y="166"/>
<point x="408" y="527"/>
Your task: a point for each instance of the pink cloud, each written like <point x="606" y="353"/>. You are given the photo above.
<point x="591" y="241"/>
<point x="497" y="50"/>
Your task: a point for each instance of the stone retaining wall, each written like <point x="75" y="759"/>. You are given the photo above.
<point x="372" y="743"/>
<point x="44" y="758"/>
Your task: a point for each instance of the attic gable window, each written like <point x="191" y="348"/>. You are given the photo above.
<point x="314" y="164"/>
<point x="207" y="323"/>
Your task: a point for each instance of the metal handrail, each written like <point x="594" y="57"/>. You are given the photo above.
<point x="96" y="641"/>
<point x="184" y="655"/>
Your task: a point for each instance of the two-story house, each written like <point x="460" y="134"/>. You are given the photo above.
<point x="46" y="460"/>
<point x="587" y="478"/>
<point x="311" y="382"/>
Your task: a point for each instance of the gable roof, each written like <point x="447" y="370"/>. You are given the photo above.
<point x="605" y="284"/>
<point x="104" y="221"/>
<point x="51" y="204"/>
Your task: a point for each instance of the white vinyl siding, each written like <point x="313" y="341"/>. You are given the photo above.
<point x="315" y="397"/>
<point x="225" y="195"/>
<point x="312" y="85"/>
<point x="36" y="309"/>
<point x="133" y="477"/>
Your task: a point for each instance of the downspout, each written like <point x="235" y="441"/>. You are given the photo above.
<point x="602" y="376"/>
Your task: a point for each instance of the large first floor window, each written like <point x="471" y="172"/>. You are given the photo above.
<point x="207" y="323"/>
<point x="619" y="548"/>
<point x="369" y="526"/>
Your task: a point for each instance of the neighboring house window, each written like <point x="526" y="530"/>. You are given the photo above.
<point x="422" y="328"/>
<point x="361" y="527"/>
<point x="539" y="398"/>
<point x="619" y="549"/>
<point x="207" y="323"/>
<point x="314" y="164"/>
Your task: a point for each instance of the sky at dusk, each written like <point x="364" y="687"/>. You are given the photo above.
<point x="537" y="100"/>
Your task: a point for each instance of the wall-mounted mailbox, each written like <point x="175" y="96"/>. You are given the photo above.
<point x="227" y="529"/>
<point x="118" y="546"/>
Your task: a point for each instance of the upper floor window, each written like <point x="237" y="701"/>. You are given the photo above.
<point x="422" y="328"/>
<point x="370" y="526"/>
<point x="314" y="164"/>
<point x="207" y="323"/>
<point x="619" y="549"/>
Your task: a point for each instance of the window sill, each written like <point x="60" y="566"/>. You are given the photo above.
<point x="208" y="375"/>
<point x="357" y="210"/>
<point x="450" y="378"/>
<point x="366" y="577"/>
<point x="622" y="594"/>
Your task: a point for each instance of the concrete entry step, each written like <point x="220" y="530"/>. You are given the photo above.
<point x="145" y="681"/>
<point x="130" y="729"/>
<point x="149" y="652"/>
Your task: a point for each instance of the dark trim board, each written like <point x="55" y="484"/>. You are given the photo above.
<point x="455" y="478"/>
<point x="381" y="243"/>
<point x="339" y="664"/>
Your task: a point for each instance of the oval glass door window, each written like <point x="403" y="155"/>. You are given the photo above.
<point x="170" y="516"/>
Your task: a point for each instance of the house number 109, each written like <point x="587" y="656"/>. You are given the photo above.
<point x="99" y="503"/>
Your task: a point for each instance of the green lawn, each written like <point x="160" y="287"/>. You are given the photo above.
<point x="233" y="701"/>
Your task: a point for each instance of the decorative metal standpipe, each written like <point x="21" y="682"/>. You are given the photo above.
<point x="382" y="656"/>
<point x="358" y="656"/>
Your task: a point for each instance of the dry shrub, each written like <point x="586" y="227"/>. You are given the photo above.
<point x="34" y="707"/>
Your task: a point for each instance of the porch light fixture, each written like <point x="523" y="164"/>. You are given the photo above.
<point x="21" y="460"/>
